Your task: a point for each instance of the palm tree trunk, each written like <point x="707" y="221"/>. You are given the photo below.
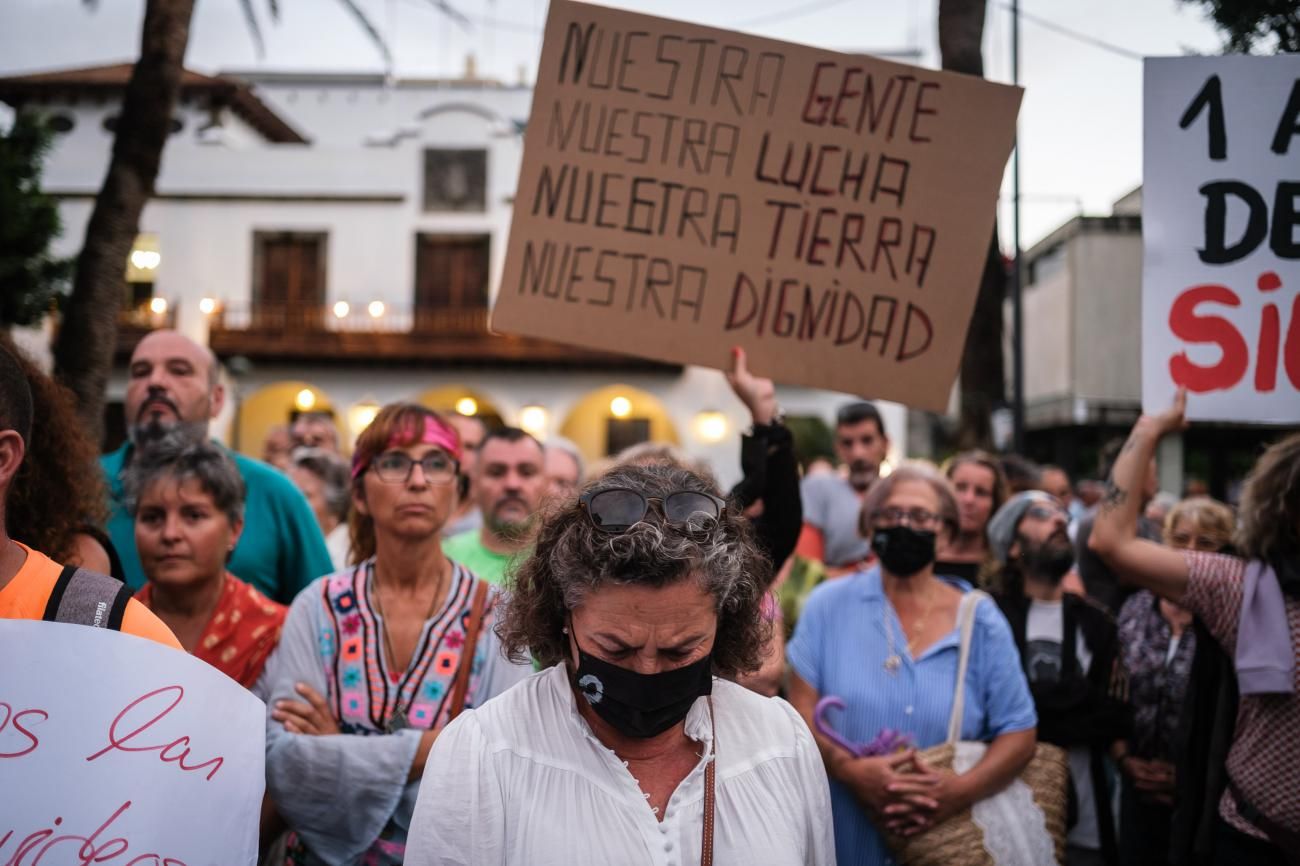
<point x="83" y="352"/>
<point x="983" y="367"/>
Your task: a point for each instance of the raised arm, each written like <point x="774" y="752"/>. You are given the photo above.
<point x="1114" y="533"/>
<point x="768" y="461"/>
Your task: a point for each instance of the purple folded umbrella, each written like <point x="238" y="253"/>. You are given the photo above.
<point x="887" y="742"/>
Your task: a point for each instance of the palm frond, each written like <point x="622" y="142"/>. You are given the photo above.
<point x="254" y="28"/>
<point x="274" y="7"/>
<point x="375" y="36"/>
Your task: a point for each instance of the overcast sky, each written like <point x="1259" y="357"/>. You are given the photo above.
<point x="1080" y="124"/>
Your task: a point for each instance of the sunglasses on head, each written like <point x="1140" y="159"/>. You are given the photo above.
<point x="614" y="509"/>
<point x="1047" y="512"/>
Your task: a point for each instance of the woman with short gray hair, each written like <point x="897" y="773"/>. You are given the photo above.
<point x="885" y="644"/>
<point x="324" y="479"/>
<point x="187" y="499"/>
<point x="640" y="594"/>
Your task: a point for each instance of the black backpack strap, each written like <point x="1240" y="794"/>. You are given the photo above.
<point x="84" y="597"/>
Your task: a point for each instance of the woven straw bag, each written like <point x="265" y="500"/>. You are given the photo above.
<point x="1022" y="825"/>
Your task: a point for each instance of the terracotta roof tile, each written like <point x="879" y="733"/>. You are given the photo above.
<point x="220" y="90"/>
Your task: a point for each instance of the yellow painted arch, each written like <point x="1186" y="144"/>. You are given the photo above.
<point x="585" y="425"/>
<point x="271" y="405"/>
<point x="446" y="398"/>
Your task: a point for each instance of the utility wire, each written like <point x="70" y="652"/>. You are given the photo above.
<point x="1074" y="34"/>
<point x="798" y="11"/>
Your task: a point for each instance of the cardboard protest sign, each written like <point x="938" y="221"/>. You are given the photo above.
<point x="117" y="750"/>
<point x="1221" y="233"/>
<point x="686" y="189"/>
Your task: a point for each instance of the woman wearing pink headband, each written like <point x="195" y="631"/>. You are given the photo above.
<point x="387" y="651"/>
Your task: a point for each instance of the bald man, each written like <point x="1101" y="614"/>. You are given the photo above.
<point x="174" y="384"/>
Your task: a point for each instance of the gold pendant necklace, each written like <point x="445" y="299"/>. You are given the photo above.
<point x="398" y="721"/>
<point x="893" y="662"/>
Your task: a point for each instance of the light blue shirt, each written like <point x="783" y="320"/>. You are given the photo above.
<point x="839" y="648"/>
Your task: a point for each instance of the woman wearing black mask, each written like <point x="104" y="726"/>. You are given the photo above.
<point x="886" y="642"/>
<point x="638" y="595"/>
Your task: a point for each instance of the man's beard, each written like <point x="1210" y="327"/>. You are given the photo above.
<point x="1049" y="560"/>
<point x="154" y="429"/>
<point x="509" y="530"/>
<point x="861" y="474"/>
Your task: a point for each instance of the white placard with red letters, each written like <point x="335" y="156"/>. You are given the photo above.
<point x="1221" y="231"/>
<point x="116" y="750"/>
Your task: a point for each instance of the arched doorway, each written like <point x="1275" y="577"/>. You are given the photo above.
<point x="462" y="401"/>
<point x="610" y="419"/>
<point x="273" y="405"/>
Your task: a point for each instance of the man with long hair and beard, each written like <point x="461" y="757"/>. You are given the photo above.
<point x="1069" y="649"/>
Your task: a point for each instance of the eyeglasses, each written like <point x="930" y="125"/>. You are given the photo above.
<point x="614" y="509"/>
<point x="1046" y="512"/>
<point x="395" y="467"/>
<point x="917" y="518"/>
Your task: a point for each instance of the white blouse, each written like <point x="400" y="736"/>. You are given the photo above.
<point x="523" y="780"/>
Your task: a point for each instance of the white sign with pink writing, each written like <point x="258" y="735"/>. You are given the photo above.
<point x="116" y="750"/>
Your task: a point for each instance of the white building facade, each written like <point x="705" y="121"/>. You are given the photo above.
<point x="342" y="236"/>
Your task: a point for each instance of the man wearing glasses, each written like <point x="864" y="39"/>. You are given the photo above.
<point x="831" y="502"/>
<point x="1069" y="651"/>
<point x="508" y="484"/>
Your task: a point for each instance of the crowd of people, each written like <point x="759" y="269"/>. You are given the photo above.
<point x="474" y="648"/>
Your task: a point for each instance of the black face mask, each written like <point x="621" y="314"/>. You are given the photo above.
<point x="1046" y="561"/>
<point x="903" y="551"/>
<point x="641" y="705"/>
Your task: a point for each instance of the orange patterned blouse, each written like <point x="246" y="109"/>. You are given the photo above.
<point x="244" y="629"/>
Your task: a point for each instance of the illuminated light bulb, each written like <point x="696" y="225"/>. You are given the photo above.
<point x="207" y="306"/>
<point x="305" y="400"/>
<point x="145" y="260"/>
<point x="341" y="309"/>
<point x="376" y="309"/>
<point x="620" y="407"/>
<point x="532" y="419"/>
<point x="158" y="306"/>
<point x="467" y="406"/>
<point x="711" y="426"/>
<point x="361" y="415"/>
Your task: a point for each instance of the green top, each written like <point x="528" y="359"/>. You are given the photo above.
<point x="467" y="549"/>
<point x="281" y="549"/>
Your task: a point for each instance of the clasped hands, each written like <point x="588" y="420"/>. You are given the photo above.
<point x="905" y="795"/>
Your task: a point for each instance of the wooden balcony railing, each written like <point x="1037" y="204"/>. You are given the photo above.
<point x="392" y="334"/>
<point x="132" y="325"/>
<point x="298" y="319"/>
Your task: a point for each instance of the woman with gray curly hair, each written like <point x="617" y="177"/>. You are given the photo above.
<point x="629" y="747"/>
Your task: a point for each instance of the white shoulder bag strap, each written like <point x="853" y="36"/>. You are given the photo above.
<point x="966" y="622"/>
